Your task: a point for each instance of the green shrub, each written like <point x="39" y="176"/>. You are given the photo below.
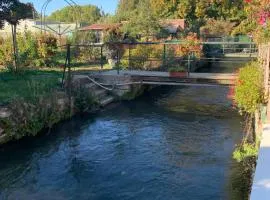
<point x="27" y="45"/>
<point x="33" y="51"/>
<point x="143" y="57"/>
<point x="6" y="52"/>
<point x="249" y="91"/>
<point x="241" y="177"/>
<point x="89" y="54"/>
<point x="245" y="151"/>
<point x="83" y="100"/>
<point x="47" y="48"/>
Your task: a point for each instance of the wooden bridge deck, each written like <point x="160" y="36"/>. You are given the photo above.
<point x="166" y="78"/>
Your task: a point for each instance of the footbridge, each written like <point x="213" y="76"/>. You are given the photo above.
<point x="134" y="77"/>
<point x="157" y="63"/>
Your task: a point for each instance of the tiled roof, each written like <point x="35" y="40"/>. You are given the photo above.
<point x="173" y="24"/>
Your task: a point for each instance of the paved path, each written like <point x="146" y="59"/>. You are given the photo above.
<point x="261" y="183"/>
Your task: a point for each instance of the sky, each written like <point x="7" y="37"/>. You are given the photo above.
<point x="109" y="6"/>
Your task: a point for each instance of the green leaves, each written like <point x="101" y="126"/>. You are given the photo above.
<point x="13" y="11"/>
<point x="249" y="91"/>
<point x="245" y="151"/>
<point x="88" y="14"/>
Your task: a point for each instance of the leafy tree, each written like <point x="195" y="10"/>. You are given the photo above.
<point x="164" y="8"/>
<point x="257" y="22"/>
<point x="4" y="10"/>
<point x="126" y="9"/>
<point x="185" y="9"/>
<point x="194" y="11"/>
<point x="13" y="11"/>
<point x="201" y="9"/>
<point x="86" y="14"/>
<point x="217" y="28"/>
<point x="143" y="22"/>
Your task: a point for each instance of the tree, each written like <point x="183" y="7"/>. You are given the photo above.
<point x="217" y="28"/>
<point x="142" y="22"/>
<point x="164" y="8"/>
<point x="13" y="11"/>
<point x="194" y="11"/>
<point x="126" y="9"/>
<point x="4" y="10"/>
<point x="257" y="22"/>
<point x="185" y="9"/>
<point x="87" y="14"/>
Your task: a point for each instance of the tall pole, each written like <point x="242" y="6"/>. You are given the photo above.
<point x="164" y="54"/>
<point x="189" y="64"/>
<point x="101" y="57"/>
<point x="118" y="62"/>
<point x="129" y="56"/>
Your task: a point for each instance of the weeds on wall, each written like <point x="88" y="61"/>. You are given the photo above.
<point x="84" y="101"/>
<point x="249" y="90"/>
<point x="29" y="116"/>
<point x="249" y="95"/>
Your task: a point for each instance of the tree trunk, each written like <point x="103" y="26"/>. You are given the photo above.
<point x="15" y="47"/>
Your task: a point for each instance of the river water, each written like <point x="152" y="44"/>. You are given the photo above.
<point x="172" y="143"/>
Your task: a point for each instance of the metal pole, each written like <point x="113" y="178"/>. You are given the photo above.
<point x="164" y="54"/>
<point x="189" y="64"/>
<point x="69" y="78"/>
<point x="129" y="56"/>
<point x="223" y="47"/>
<point x="250" y="46"/>
<point x="101" y="57"/>
<point x="118" y="62"/>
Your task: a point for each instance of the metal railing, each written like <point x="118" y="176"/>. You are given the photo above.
<point x="154" y="56"/>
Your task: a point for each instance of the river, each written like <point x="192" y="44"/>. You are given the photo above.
<point x="170" y="144"/>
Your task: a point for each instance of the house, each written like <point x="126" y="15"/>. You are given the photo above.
<point x="100" y="30"/>
<point x="174" y="26"/>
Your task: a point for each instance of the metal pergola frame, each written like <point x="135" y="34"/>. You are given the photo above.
<point x="71" y="3"/>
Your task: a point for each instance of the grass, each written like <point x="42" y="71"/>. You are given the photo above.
<point x="24" y="85"/>
<point x="21" y="85"/>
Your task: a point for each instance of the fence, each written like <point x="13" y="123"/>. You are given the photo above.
<point x="156" y="56"/>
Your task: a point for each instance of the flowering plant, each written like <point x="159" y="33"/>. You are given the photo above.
<point x="259" y="10"/>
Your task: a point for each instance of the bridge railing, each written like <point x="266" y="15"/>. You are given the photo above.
<point x="159" y="56"/>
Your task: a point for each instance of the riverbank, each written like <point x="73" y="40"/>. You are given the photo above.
<point x="26" y="117"/>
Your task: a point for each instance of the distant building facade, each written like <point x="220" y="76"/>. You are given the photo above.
<point x="174" y="26"/>
<point x="36" y="26"/>
<point x="100" y="30"/>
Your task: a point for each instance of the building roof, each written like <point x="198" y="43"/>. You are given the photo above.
<point x="100" y="27"/>
<point x="173" y="25"/>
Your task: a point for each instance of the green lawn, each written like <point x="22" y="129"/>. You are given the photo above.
<point x="26" y="85"/>
<point x="34" y="82"/>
